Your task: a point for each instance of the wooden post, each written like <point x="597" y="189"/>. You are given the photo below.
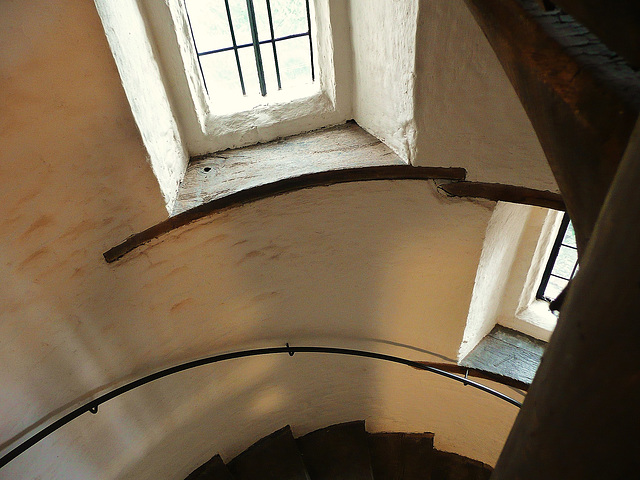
<point x="616" y="22"/>
<point x="581" y="417"/>
<point x="583" y="107"/>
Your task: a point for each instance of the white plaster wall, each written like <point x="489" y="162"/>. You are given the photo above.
<point x="381" y="265"/>
<point x="467" y="113"/>
<point x="140" y="74"/>
<point x="383" y="34"/>
<point x="516" y="248"/>
<point x="493" y="278"/>
<point x="327" y="266"/>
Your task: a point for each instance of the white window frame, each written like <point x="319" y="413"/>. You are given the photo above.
<point x="206" y="129"/>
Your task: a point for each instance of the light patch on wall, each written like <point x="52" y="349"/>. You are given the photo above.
<point x="267" y="401"/>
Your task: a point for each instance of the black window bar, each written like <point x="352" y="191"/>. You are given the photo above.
<point x="255" y="43"/>
<point x="562" y="247"/>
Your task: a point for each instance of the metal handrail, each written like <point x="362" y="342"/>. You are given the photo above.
<point x="92" y="406"/>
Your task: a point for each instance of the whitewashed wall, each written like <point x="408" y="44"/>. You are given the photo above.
<point x="383" y="265"/>
<point x="128" y="38"/>
<point x="467" y="112"/>
<point x="428" y="84"/>
<point x="383" y="35"/>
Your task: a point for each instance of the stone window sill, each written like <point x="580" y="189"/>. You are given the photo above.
<point x="507" y="352"/>
<point x="220" y="174"/>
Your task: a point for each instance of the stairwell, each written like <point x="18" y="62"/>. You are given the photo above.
<point x="345" y="451"/>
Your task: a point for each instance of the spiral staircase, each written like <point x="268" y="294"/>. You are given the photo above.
<point x="345" y="451"/>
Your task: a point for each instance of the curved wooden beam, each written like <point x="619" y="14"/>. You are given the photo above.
<point x="474" y="372"/>
<point x="505" y="193"/>
<point x="580" y="418"/>
<point x="332" y="177"/>
<point x="582" y="100"/>
<point x="614" y="21"/>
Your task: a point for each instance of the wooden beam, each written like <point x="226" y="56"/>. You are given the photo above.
<point x="332" y="177"/>
<point x="473" y="372"/>
<point x="616" y="22"/>
<point x="582" y="106"/>
<point x="505" y="193"/>
<point x="581" y="416"/>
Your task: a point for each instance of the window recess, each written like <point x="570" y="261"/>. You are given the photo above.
<point x="249" y="48"/>
<point x="562" y="264"/>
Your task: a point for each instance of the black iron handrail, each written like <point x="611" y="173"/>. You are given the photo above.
<point x="92" y="406"/>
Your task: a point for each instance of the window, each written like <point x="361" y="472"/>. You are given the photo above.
<point x="507" y="325"/>
<point x="153" y="46"/>
<point x="195" y="44"/>
<point x="529" y="256"/>
<point x="248" y="54"/>
<point x="516" y="249"/>
<point x="562" y="264"/>
<point x="251" y="47"/>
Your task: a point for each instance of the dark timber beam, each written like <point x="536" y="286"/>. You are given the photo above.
<point x="391" y="172"/>
<point x="616" y="22"/>
<point x="547" y="5"/>
<point x="473" y="372"/>
<point x="581" y="99"/>
<point x="580" y="418"/>
<point x="505" y="193"/>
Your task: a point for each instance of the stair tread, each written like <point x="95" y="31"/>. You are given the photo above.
<point x="401" y="456"/>
<point x="451" y="466"/>
<point x="338" y="452"/>
<point x="386" y="455"/>
<point x="214" y="469"/>
<point x="274" y="457"/>
<point x="344" y="452"/>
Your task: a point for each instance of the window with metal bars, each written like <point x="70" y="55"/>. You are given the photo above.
<point x="249" y="48"/>
<point x="562" y="264"/>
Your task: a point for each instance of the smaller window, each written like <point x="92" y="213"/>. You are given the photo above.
<point x="249" y="48"/>
<point x="562" y="264"/>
